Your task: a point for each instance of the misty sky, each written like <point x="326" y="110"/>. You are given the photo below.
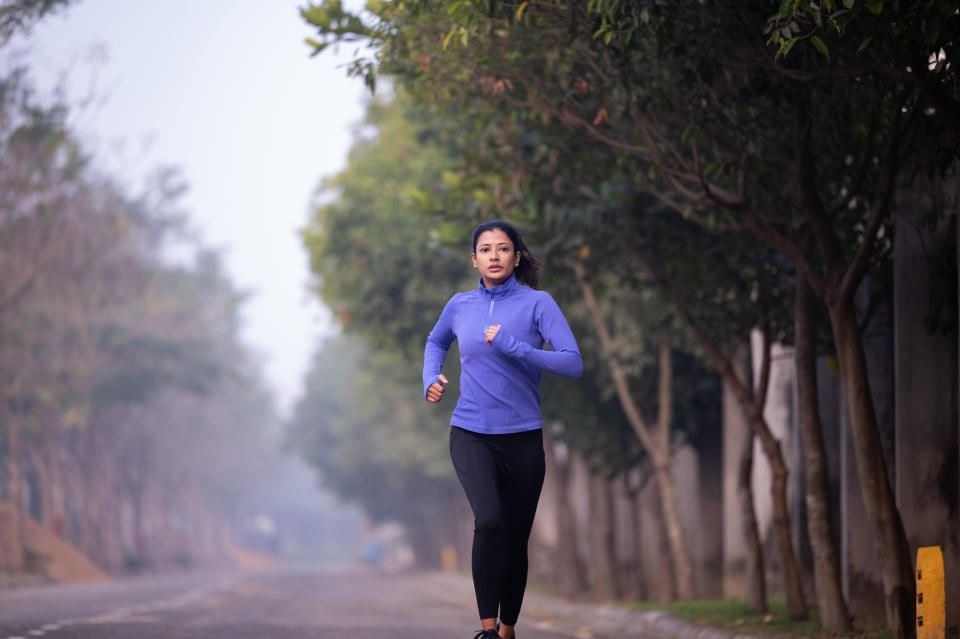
<point x="226" y="91"/>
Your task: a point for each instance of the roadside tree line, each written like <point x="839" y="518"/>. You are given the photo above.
<point x="134" y="423"/>
<point x="694" y="173"/>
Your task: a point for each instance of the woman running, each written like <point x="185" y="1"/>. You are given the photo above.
<point x="496" y="441"/>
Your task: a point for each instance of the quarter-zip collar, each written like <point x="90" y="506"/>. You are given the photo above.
<point x="499" y="292"/>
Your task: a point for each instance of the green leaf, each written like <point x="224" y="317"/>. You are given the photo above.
<point x="446" y="40"/>
<point x="451" y="179"/>
<point x="523" y="5"/>
<point x="865" y="43"/>
<point x="875" y="6"/>
<point x="785" y="48"/>
<point x="318" y="47"/>
<point x="821" y="46"/>
<point x="848" y="4"/>
<point x="317" y="16"/>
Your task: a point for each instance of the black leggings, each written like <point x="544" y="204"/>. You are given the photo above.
<point x="502" y="476"/>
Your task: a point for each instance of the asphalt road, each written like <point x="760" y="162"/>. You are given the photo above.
<point x="305" y="603"/>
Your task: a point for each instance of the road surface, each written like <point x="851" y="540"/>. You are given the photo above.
<point x="292" y="603"/>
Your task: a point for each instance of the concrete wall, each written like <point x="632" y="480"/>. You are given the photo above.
<point x="708" y="553"/>
<point x="735" y="429"/>
<point x="861" y="577"/>
<point x="831" y="411"/>
<point x="925" y="262"/>
<point x="654" y="550"/>
<point x="778" y="412"/>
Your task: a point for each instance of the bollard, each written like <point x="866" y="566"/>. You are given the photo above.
<point x="931" y="599"/>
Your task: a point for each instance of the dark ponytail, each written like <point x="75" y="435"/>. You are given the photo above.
<point x="527" y="272"/>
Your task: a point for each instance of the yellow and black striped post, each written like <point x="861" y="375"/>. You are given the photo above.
<point x="931" y="599"/>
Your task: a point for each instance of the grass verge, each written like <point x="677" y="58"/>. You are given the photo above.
<point x="732" y="614"/>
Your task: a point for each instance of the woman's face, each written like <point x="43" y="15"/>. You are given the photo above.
<point x="494" y="257"/>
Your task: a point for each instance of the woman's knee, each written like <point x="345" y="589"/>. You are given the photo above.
<point x="488" y="526"/>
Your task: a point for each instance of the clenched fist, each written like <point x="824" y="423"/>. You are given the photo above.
<point x="491" y="333"/>
<point x="435" y="391"/>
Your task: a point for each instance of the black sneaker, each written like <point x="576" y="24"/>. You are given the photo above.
<point x="487" y="634"/>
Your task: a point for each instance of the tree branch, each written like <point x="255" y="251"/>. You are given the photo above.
<point x="878" y="211"/>
<point x="639" y="425"/>
<point x="665" y="396"/>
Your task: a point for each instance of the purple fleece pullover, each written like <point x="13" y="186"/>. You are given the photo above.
<point x="500" y="384"/>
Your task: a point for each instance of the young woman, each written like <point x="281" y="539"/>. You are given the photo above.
<point x="496" y="441"/>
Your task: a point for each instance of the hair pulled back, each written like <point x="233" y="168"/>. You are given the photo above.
<point x="527" y="271"/>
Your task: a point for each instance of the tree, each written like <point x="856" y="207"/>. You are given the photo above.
<point x="18" y="16"/>
<point x="380" y="265"/>
<point x="695" y="107"/>
<point x="374" y="441"/>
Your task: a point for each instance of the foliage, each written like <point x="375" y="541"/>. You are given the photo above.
<point x="768" y="159"/>
<point x="20" y="15"/>
<point x="386" y="270"/>
<point x="370" y="434"/>
<point x="125" y="376"/>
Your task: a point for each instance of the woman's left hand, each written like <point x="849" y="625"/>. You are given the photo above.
<point x="491" y="333"/>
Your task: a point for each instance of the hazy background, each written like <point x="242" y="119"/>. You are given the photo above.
<point x="226" y="92"/>
<point x="227" y="97"/>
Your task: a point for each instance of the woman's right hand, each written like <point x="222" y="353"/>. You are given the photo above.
<point x="435" y="391"/>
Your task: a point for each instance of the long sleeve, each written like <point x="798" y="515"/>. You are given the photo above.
<point x="438" y="343"/>
<point x="563" y="360"/>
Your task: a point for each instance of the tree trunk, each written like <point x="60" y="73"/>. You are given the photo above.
<point x="893" y="552"/>
<point x="834" y="616"/>
<point x="657" y="445"/>
<point x="665" y="482"/>
<point x="756" y="575"/>
<point x="568" y="570"/>
<point x="81" y="489"/>
<point x="15" y="562"/>
<point x="796" y="600"/>
<point x="602" y="556"/>
<point x="46" y="486"/>
<point x="634" y="587"/>
<point x="58" y="491"/>
<point x="666" y="568"/>
<point x="842" y="279"/>
<point x="683" y="567"/>
<point x="752" y="405"/>
<point x="643" y="586"/>
<point x="753" y="409"/>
